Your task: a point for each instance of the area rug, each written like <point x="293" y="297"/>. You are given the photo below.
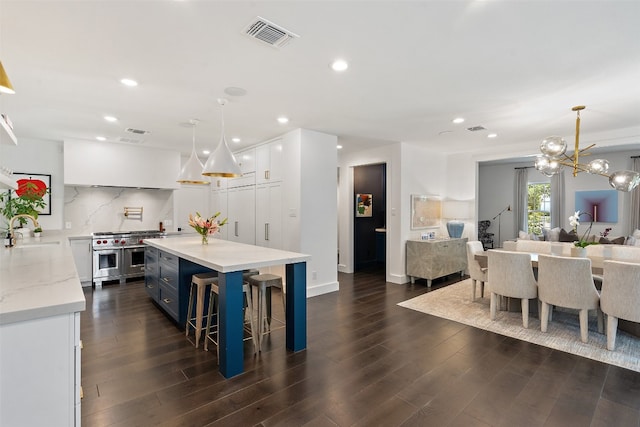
<point x="453" y="302"/>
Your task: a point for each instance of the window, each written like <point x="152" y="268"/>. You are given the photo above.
<point x="539" y="207"/>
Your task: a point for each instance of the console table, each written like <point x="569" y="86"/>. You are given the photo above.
<point x="430" y="259"/>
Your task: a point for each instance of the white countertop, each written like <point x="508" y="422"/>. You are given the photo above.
<point x="38" y="278"/>
<point x="225" y="256"/>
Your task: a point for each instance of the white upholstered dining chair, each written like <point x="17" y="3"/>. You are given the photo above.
<point x="510" y="275"/>
<point x="476" y="271"/>
<point x="620" y="297"/>
<point x="567" y="282"/>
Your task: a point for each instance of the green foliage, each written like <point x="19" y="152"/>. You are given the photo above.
<point x="25" y="204"/>
<point x="537" y="217"/>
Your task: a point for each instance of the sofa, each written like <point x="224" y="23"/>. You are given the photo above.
<point x="615" y="252"/>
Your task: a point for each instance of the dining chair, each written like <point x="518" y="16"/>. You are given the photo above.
<point x="567" y="282"/>
<point x="476" y="271"/>
<point x="510" y="275"/>
<point x="620" y="297"/>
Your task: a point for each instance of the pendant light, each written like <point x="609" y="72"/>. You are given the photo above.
<point x="5" y="84"/>
<point x="191" y="172"/>
<point x="222" y="162"/>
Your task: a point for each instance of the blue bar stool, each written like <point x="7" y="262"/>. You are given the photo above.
<point x="200" y="282"/>
<point x="264" y="283"/>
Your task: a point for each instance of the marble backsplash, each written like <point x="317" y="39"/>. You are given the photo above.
<point x="91" y="209"/>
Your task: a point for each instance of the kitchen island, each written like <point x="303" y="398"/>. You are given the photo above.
<point x="229" y="259"/>
<point x="40" y="303"/>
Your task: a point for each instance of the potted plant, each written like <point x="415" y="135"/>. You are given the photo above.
<point x="26" y="200"/>
<point x="37" y="232"/>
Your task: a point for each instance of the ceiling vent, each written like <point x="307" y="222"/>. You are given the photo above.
<point x="268" y="32"/>
<point x="137" y="131"/>
<point x="131" y="140"/>
<point x="476" y="128"/>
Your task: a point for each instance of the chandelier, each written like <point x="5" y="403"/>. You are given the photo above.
<point x="554" y="158"/>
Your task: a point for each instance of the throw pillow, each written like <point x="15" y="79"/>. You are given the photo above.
<point x="616" y="241"/>
<point x="636" y="234"/>
<point x="554" y="234"/>
<point x="567" y="237"/>
<point x="523" y="236"/>
<point x="631" y="241"/>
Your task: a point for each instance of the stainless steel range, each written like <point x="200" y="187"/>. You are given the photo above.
<point x="119" y="255"/>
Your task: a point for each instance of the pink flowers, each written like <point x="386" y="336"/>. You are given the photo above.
<point x="206" y="226"/>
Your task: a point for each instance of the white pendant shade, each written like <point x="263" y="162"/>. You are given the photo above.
<point x="221" y="161"/>
<point x="191" y="172"/>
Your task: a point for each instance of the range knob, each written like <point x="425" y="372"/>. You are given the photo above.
<point x="116" y="241"/>
<point x="98" y="242"/>
<point x="104" y="242"/>
<point x="140" y="241"/>
<point x="122" y="242"/>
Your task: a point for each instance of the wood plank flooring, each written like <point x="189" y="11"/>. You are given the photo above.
<point x="368" y="363"/>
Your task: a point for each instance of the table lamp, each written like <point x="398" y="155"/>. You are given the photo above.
<point x="455" y="211"/>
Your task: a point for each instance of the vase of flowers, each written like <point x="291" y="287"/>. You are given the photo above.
<point x="581" y="244"/>
<point x="206" y="226"/>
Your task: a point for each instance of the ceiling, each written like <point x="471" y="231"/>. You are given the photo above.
<point x="514" y="67"/>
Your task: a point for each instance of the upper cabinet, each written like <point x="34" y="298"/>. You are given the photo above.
<point x="269" y="162"/>
<point x="247" y="161"/>
<point x="89" y="163"/>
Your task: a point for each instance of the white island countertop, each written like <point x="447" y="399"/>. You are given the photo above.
<point x="225" y="256"/>
<point x="38" y="279"/>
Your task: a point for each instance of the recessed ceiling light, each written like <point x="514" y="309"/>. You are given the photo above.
<point x="129" y="82"/>
<point x="101" y="138"/>
<point x="492" y="135"/>
<point x="339" y="65"/>
<point x="206" y="152"/>
<point x="283" y="120"/>
<point x="110" y="119"/>
<point x="236" y="140"/>
<point x="339" y="147"/>
<point x="458" y="120"/>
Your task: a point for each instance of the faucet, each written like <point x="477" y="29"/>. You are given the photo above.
<point x="35" y="223"/>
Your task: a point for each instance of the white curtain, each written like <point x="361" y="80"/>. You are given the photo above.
<point x="635" y="198"/>
<point x="520" y="199"/>
<point x="557" y="200"/>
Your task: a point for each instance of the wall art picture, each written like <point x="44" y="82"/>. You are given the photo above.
<point x="364" y="205"/>
<point x="38" y="184"/>
<point x="602" y="205"/>
<point x="426" y="211"/>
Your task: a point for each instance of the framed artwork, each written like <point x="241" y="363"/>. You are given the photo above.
<point x="35" y="182"/>
<point x="426" y="211"/>
<point x="364" y="205"/>
<point x="602" y="205"/>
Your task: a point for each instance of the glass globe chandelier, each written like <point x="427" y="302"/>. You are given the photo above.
<point x="554" y="158"/>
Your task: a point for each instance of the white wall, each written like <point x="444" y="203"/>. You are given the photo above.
<point x="41" y="157"/>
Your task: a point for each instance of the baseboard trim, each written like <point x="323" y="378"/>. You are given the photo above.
<point x="399" y="279"/>
<point x="322" y="289"/>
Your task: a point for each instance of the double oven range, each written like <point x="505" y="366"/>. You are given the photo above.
<point x="119" y="255"/>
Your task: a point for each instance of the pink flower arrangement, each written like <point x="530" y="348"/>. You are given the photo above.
<point x="206" y="226"/>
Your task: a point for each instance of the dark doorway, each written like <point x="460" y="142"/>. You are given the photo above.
<point x="369" y="244"/>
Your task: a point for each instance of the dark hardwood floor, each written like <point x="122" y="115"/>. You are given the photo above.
<point x="368" y="363"/>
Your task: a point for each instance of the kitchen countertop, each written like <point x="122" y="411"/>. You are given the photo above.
<point x="38" y="278"/>
<point x="225" y="256"/>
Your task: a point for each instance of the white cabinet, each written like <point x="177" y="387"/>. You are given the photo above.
<point x="40" y="367"/>
<point x="82" y="255"/>
<point x="247" y="161"/>
<point x="269" y="162"/>
<point x="242" y="215"/>
<point x="269" y="215"/>
<point x="219" y="204"/>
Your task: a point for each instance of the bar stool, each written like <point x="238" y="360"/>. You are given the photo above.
<point x="213" y="305"/>
<point x="264" y="283"/>
<point x="200" y="282"/>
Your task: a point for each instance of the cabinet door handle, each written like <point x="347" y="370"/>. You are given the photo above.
<point x="166" y="280"/>
<point x="266" y="174"/>
<point x="150" y="286"/>
<point x="166" y="301"/>
<point x="266" y="231"/>
<point x="236" y="228"/>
